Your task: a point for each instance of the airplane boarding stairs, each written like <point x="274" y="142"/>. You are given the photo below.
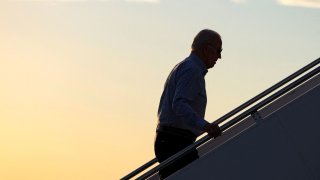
<point x="275" y="135"/>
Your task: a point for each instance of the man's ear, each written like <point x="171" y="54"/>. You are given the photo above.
<point x="205" y="50"/>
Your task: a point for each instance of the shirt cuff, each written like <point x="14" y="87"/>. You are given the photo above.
<point x="202" y="123"/>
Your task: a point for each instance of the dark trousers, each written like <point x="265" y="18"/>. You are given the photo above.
<point x="166" y="145"/>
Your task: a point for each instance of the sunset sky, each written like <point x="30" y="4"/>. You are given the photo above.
<point x="80" y="80"/>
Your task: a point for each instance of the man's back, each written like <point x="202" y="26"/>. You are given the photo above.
<point x="183" y="101"/>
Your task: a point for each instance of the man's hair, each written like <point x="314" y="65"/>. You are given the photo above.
<point x="204" y="37"/>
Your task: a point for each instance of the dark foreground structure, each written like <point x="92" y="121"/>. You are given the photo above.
<point x="275" y="135"/>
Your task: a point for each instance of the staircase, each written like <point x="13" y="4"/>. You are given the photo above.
<point x="275" y="135"/>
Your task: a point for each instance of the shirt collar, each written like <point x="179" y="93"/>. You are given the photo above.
<point x="199" y="63"/>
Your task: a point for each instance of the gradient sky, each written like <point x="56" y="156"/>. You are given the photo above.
<point x="80" y="80"/>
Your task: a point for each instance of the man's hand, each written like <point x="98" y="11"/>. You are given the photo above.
<point x="213" y="130"/>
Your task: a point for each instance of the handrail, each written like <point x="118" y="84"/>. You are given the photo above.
<point x="268" y="91"/>
<point x="236" y="119"/>
<point x="140" y="169"/>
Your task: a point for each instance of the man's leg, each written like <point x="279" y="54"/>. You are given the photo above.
<point x="167" y="145"/>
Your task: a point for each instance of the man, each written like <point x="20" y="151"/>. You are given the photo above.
<point x="183" y="103"/>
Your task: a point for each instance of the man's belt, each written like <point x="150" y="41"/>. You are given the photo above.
<point x="176" y="131"/>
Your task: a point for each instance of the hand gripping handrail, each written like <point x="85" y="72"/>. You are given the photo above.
<point x="236" y="119"/>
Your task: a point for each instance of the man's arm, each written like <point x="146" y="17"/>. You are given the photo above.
<point x="188" y="86"/>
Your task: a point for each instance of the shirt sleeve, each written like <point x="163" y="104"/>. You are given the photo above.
<point x="188" y="86"/>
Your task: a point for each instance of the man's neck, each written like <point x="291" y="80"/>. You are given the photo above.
<point x="199" y="55"/>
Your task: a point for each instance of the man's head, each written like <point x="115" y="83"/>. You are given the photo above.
<point x="208" y="46"/>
